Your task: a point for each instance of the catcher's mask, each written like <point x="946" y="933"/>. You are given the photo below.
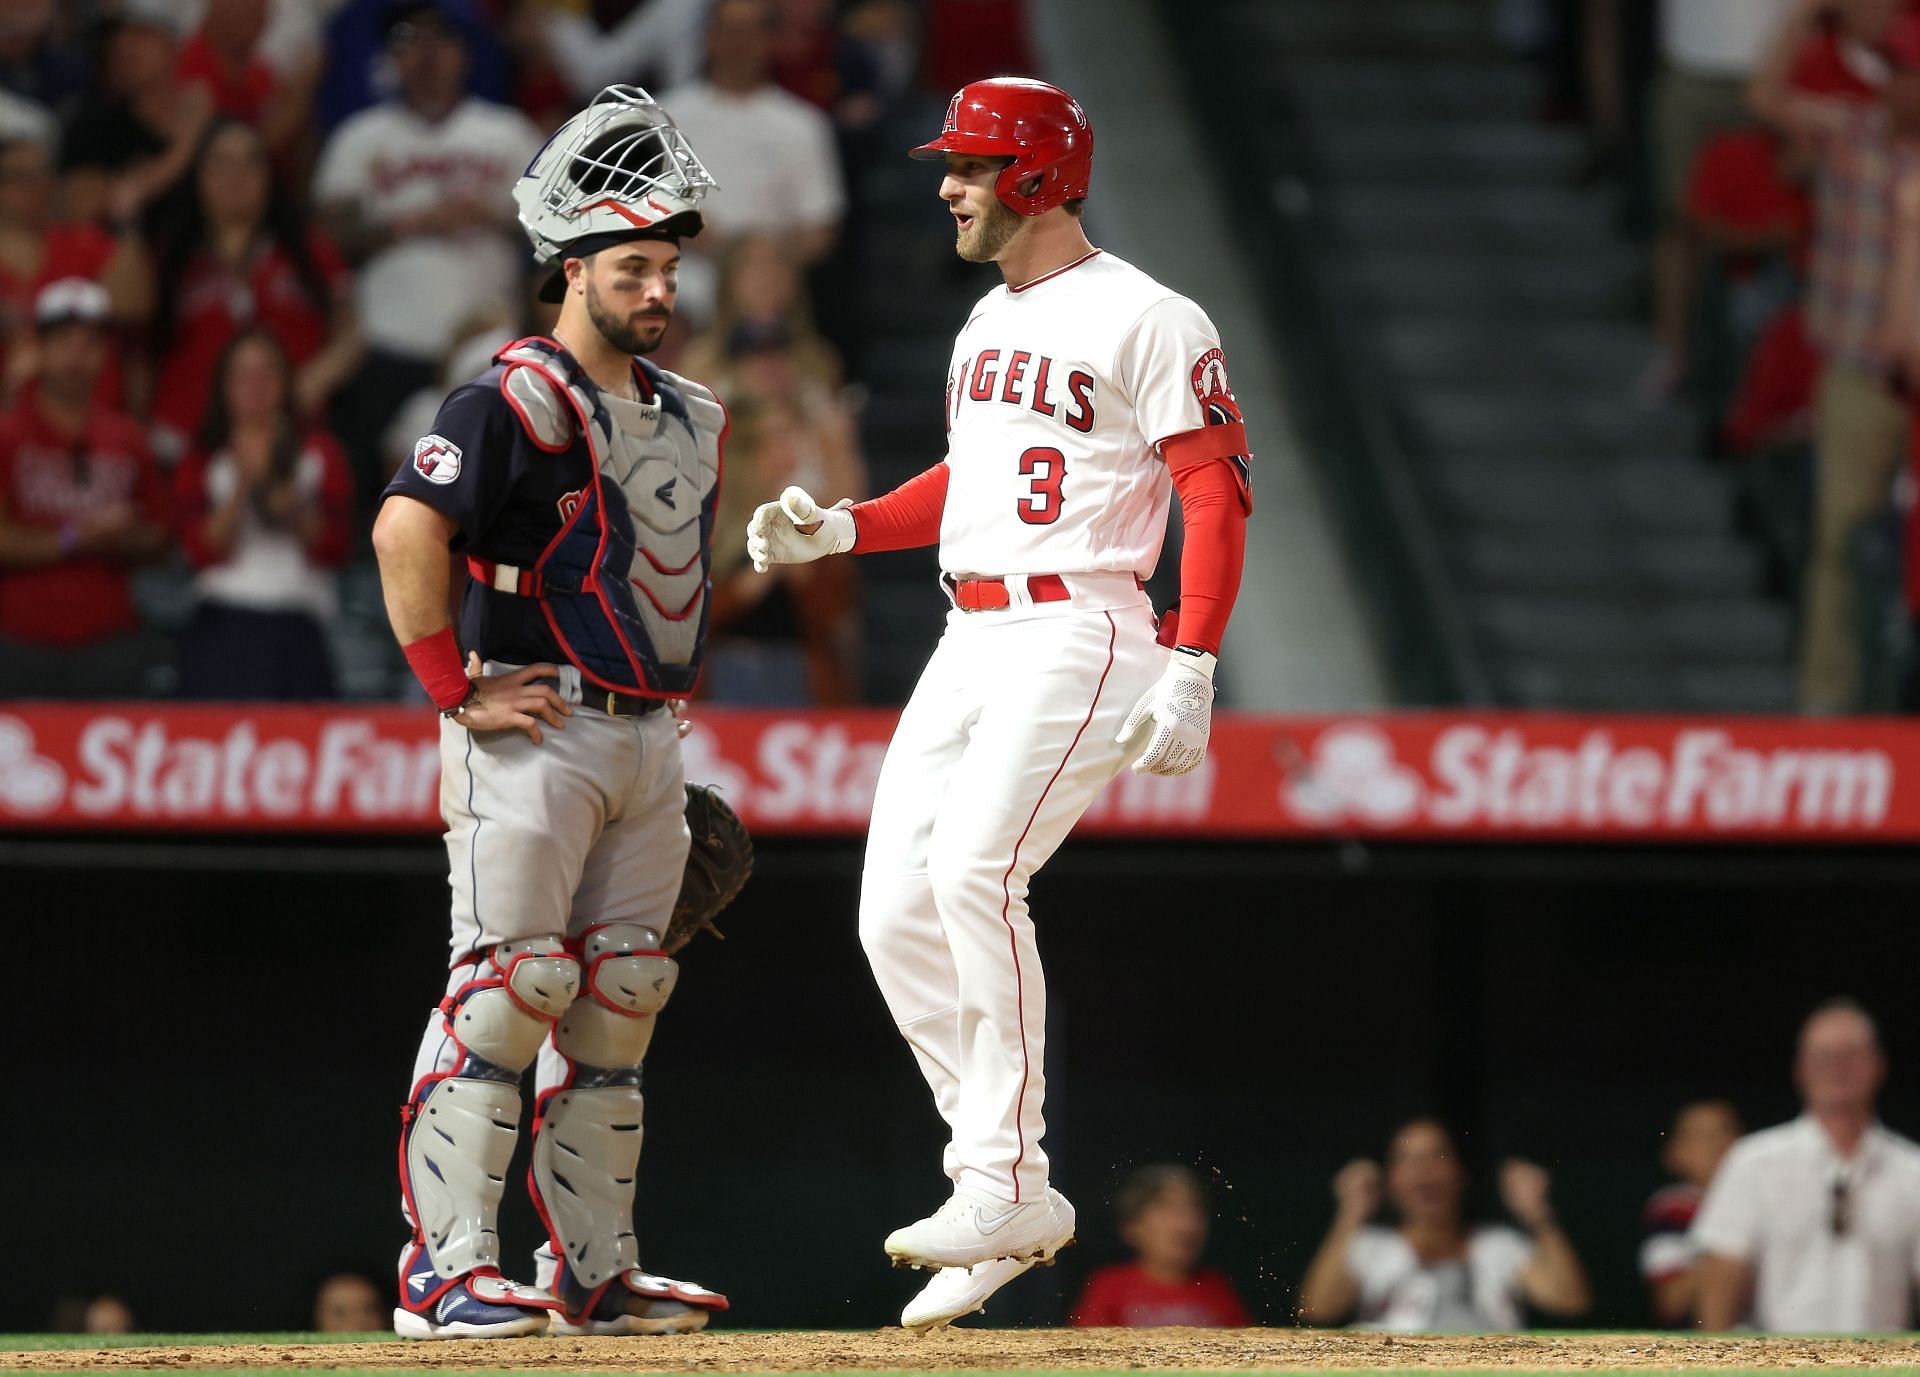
<point x="619" y="170"/>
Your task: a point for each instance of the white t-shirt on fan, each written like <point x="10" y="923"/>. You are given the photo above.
<point x="390" y="162"/>
<point x="772" y="154"/>
<point x="1478" y="1291"/>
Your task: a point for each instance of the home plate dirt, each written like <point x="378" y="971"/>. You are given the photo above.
<point x="1004" y="1349"/>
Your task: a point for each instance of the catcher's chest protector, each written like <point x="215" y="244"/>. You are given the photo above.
<point x="624" y="585"/>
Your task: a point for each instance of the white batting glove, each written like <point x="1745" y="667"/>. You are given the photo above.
<point x="797" y="529"/>
<point x="1174" y="715"/>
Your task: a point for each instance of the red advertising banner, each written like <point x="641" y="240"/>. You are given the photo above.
<point x="1501" y="777"/>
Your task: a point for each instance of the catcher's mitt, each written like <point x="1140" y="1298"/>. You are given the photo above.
<point x="718" y="865"/>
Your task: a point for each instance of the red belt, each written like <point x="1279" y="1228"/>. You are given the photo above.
<point x="990" y="595"/>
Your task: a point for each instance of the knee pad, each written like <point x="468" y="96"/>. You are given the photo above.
<point x="628" y="980"/>
<point x="501" y="1013"/>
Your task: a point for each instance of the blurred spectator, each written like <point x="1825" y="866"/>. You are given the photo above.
<point x="266" y="509"/>
<point x="1707" y="50"/>
<point x="1702" y="1133"/>
<point x="35" y="250"/>
<point x="350" y="1303"/>
<point x="790" y="637"/>
<point x="887" y="35"/>
<point x="1433" y="1271"/>
<point x="477" y="339"/>
<point x="134" y="133"/>
<point x="225" y="55"/>
<point x="359" y="70"/>
<point x="971" y="39"/>
<point x="82" y="1314"/>
<point x="39" y="63"/>
<point x="1774" y="405"/>
<point x="772" y="153"/>
<point x="417" y="192"/>
<point x="760" y="297"/>
<point x="656" y="43"/>
<point x="818" y="62"/>
<point x="239" y="257"/>
<point x="79" y="507"/>
<point x="108" y="1315"/>
<point x="1163" y="1218"/>
<point x="1865" y="152"/>
<point x="1815" y="1225"/>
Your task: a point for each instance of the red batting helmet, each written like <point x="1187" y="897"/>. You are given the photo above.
<point x="1041" y="127"/>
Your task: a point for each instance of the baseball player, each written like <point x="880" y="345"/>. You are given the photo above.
<point x="1082" y="393"/>
<point x="579" y="481"/>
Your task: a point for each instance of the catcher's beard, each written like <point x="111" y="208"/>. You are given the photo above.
<point x="990" y="233"/>
<point x="639" y="333"/>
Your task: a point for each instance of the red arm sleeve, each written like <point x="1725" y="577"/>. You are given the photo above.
<point x="907" y="517"/>
<point x="1212" y="505"/>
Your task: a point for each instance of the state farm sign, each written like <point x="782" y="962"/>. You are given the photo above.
<point x="1489" y="777"/>
<point x="207" y="769"/>
<point x="1574" y="777"/>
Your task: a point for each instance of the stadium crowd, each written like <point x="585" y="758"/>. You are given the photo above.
<point x="247" y="245"/>
<point x="1770" y="152"/>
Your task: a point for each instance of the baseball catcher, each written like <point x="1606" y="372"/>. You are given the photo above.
<point x="579" y="482"/>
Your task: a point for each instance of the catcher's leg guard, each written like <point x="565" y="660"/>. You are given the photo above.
<point x="586" y="1146"/>
<point x="460" y="1128"/>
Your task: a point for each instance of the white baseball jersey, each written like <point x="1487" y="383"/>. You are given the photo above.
<point x="1058" y="397"/>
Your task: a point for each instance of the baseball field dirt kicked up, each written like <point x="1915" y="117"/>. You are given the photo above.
<point x="1002" y="1350"/>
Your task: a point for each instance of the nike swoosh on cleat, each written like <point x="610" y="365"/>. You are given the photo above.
<point x="989" y="1226"/>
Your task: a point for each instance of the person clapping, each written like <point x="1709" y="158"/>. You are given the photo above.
<point x="1432" y="1270"/>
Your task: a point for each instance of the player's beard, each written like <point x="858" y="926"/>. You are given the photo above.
<point x="639" y="333"/>
<point x="989" y="233"/>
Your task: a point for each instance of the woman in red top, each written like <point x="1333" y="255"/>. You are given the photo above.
<point x="1163" y="1218"/>
<point x="239" y="258"/>
<point x="36" y="250"/>
<point x="265" y="510"/>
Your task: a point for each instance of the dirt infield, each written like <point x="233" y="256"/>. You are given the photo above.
<point x="1007" y="1349"/>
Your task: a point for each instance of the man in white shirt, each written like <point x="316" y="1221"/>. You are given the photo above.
<point x="772" y="153"/>
<point x="415" y="191"/>
<point x="1814" y="1225"/>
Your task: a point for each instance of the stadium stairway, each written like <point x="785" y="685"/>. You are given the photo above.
<point x="1596" y="562"/>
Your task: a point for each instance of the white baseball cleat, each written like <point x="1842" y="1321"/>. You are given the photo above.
<point x="972" y="1228"/>
<point x="957" y="1291"/>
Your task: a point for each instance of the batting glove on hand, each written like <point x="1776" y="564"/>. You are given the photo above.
<point x="1179" y="709"/>
<point x="796" y="529"/>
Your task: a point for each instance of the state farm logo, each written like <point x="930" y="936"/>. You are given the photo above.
<point x="1354" y="776"/>
<point x="30" y="784"/>
<point x="1481" y="777"/>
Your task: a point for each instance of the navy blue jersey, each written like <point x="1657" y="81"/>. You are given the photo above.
<point x="479" y="468"/>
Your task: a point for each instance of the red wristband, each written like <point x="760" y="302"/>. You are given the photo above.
<point x="436" y="664"/>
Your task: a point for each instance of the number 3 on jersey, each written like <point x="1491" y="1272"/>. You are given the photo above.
<point x="1045" y="468"/>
